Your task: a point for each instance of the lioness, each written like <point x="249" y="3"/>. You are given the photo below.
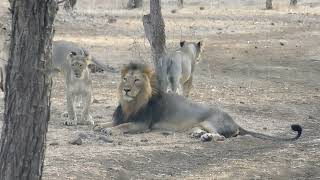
<point x="181" y="64"/>
<point x="78" y="87"/>
<point x="143" y="107"/>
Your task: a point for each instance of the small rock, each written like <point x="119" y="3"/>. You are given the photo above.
<point x="173" y="11"/>
<point x="119" y="143"/>
<point x="107" y="107"/>
<point x="201" y="8"/>
<point x="65" y="114"/>
<point x="281" y="43"/>
<point x="167" y="133"/>
<point x="256" y="47"/>
<point x="233" y="58"/>
<point x="106" y="139"/>
<point x="82" y="135"/>
<point x="246" y="51"/>
<point x="272" y="24"/>
<point x="241" y="102"/>
<point x="310" y="117"/>
<point x="76" y="141"/>
<point x="53" y="144"/>
<point x="112" y="20"/>
<point x="264" y="128"/>
<point x="95" y="101"/>
<point x="144" y="140"/>
<point x="98" y="117"/>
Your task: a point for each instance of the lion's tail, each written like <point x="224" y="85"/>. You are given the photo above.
<point x="295" y="127"/>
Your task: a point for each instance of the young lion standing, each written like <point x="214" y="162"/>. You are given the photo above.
<point x="181" y="65"/>
<point x="78" y="82"/>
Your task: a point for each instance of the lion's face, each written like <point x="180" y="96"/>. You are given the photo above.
<point x="79" y="63"/>
<point x="135" y="84"/>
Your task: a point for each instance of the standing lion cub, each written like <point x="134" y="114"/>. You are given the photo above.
<point x="74" y="66"/>
<point x="181" y="65"/>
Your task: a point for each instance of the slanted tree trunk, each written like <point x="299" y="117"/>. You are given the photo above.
<point x="27" y="90"/>
<point x="268" y="4"/>
<point x="180" y="3"/>
<point x="293" y="2"/>
<point x="154" y="29"/>
<point x="134" y="4"/>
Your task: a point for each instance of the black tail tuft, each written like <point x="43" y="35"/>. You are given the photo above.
<point x="297" y="128"/>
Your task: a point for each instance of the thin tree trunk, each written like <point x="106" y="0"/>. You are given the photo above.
<point x="268" y="4"/>
<point x="155" y="31"/>
<point x="27" y="90"/>
<point x="293" y="2"/>
<point x="134" y="4"/>
<point x="180" y="3"/>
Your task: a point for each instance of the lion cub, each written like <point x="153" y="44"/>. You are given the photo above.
<point x="78" y="87"/>
<point x="181" y="65"/>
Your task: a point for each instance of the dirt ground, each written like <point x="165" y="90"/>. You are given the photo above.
<point x="262" y="67"/>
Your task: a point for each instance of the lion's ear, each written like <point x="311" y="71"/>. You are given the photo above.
<point x="182" y="43"/>
<point x="124" y="70"/>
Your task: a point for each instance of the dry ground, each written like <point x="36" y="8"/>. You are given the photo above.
<point x="261" y="66"/>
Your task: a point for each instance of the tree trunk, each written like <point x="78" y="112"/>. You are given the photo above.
<point x="180" y="3"/>
<point x="268" y="4"/>
<point x="293" y="2"/>
<point x="134" y="4"/>
<point x="155" y="31"/>
<point x="27" y="90"/>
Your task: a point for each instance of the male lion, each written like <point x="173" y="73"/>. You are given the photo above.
<point x="143" y="107"/>
<point x="181" y="65"/>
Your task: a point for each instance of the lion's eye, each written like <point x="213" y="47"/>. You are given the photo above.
<point x="125" y="79"/>
<point x="80" y="65"/>
<point x="136" y="80"/>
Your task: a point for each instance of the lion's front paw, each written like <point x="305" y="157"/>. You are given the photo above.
<point x="70" y="122"/>
<point x="97" y="128"/>
<point x="87" y="121"/>
<point x="197" y="133"/>
<point x="106" y="131"/>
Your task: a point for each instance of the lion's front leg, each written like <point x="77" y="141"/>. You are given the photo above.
<point x="126" y="128"/>
<point x="72" y="117"/>
<point x="100" y="126"/>
<point x="86" y="119"/>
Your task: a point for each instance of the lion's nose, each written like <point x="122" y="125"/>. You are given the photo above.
<point x="126" y="90"/>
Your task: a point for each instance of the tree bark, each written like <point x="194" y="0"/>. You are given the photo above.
<point x="134" y="4"/>
<point x="180" y="3"/>
<point x="293" y="2"/>
<point x="268" y="4"/>
<point x="155" y="32"/>
<point x="27" y="90"/>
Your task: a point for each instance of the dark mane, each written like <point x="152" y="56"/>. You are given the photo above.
<point x="151" y="113"/>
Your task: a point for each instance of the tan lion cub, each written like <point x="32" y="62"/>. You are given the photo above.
<point x="78" y="88"/>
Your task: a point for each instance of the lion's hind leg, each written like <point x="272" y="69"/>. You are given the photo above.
<point x="207" y="132"/>
<point x="187" y="87"/>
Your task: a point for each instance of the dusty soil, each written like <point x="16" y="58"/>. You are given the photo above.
<point x="261" y="66"/>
